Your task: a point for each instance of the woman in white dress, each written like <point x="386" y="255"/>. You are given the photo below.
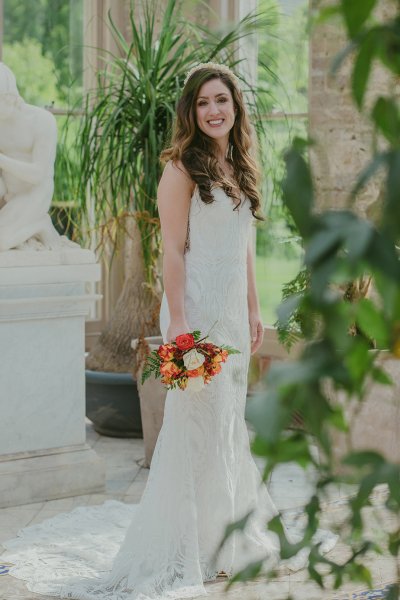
<point x="202" y="476"/>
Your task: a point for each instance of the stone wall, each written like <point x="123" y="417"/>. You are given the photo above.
<point x="343" y="137"/>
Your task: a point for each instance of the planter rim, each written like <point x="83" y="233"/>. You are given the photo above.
<point x="108" y="377"/>
<point x="154" y="341"/>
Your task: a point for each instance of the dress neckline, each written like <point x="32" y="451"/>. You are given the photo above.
<point x="218" y="187"/>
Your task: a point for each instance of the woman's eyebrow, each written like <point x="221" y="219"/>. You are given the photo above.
<point x="216" y="95"/>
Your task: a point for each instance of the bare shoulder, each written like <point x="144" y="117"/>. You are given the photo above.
<point x="173" y="198"/>
<point x="175" y="178"/>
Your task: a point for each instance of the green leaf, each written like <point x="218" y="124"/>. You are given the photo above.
<point x="389" y="45"/>
<point x="338" y="419"/>
<point x="361" y="459"/>
<point x="297" y="188"/>
<point x="321" y="277"/>
<point x="360" y="573"/>
<point x="382" y="256"/>
<point x="268" y="415"/>
<point x="377" y="163"/>
<point x="230" y="349"/>
<point x="358" y="361"/>
<point x="391" y="214"/>
<point x="362" y="67"/>
<point x="249" y="573"/>
<point x="288" y="307"/>
<point x="394" y="543"/>
<point x="315" y="576"/>
<point x="145" y="375"/>
<point x="372" y="322"/>
<point x="238" y="525"/>
<point x="326" y="13"/>
<point x="322" y="244"/>
<point x="387" y="119"/>
<point x="358" y="237"/>
<point x="356" y="13"/>
<point x="393" y="593"/>
<point x="380" y="376"/>
<point x="341" y="56"/>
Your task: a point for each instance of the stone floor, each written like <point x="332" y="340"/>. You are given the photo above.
<point x="126" y="479"/>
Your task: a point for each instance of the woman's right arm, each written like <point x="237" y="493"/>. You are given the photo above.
<point x="174" y="193"/>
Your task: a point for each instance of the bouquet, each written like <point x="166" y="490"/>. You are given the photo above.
<point x="188" y="363"/>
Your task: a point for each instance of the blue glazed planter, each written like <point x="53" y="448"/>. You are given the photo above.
<point x="112" y="404"/>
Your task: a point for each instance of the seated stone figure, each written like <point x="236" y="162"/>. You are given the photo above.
<point x="28" y="142"/>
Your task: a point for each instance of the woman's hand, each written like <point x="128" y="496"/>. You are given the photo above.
<point x="256" y="331"/>
<point x="177" y="328"/>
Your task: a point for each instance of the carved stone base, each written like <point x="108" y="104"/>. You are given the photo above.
<point x="44" y="300"/>
<point x="28" y="477"/>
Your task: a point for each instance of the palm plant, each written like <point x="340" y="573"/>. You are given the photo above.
<point x="127" y="122"/>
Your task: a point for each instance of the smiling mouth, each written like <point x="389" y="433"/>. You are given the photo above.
<point x="215" y="122"/>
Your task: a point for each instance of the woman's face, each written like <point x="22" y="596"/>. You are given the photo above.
<point x="215" y="111"/>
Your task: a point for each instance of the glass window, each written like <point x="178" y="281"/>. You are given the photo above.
<point x="42" y="44"/>
<point x="278" y="255"/>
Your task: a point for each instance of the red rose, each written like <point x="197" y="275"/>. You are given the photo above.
<point x="185" y="341"/>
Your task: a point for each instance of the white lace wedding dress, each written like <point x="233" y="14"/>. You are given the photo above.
<point x="202" y="476"/>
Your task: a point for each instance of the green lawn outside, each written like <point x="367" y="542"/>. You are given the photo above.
<point x="272" y="272"/>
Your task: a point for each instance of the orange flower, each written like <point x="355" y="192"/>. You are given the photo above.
<point x="196" y="372"/>
<point x="224" y="354"/>
<point x="166" y="352"/>
<point x="215" y="368"/>
<point x="169" y="369"/>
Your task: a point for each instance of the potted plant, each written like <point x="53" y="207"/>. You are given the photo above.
<point x="152" y="394"/>
<point x="125" y="125"/>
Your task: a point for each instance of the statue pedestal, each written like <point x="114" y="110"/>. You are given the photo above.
<point x="43" y="304"/>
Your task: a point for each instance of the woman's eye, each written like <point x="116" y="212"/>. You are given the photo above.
<point x="222" y="100"/>
<point x="202" y="103"/>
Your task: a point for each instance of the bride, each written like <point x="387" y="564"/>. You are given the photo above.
<point x="202" y="476"/>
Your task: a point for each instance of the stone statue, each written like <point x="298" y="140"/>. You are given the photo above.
<point x="28" y="142"/>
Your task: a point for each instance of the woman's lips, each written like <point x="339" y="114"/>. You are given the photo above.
<point x="216" y="122"/>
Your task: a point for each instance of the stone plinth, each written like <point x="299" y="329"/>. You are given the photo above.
<point x="43" y="305"/>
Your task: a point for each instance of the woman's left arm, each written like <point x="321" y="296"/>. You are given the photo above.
<point x="255" y="322"/>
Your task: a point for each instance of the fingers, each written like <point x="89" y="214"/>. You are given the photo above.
<point x="257" y="334"/>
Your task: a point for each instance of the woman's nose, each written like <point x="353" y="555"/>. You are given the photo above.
<point x="213" y="108"/>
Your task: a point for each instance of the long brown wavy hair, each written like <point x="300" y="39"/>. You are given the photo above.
<point x="197" y="151"/>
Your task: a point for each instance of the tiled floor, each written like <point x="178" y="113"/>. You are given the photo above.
<point x="126" y="479"/>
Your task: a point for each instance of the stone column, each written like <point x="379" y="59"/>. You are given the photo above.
<point x="343" y="136"/>
<point x="43" y="303"/>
